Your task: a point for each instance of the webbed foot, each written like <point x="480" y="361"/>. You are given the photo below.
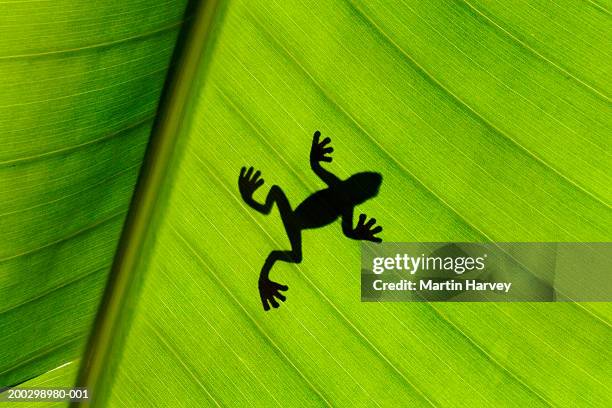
<point x="268" y="291"/>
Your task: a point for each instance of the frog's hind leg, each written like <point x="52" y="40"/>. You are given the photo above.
<point x="268" y="289"/>
<point x="292" y="228"/>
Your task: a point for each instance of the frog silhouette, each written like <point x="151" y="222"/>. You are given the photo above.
<point x="321" y="208"/>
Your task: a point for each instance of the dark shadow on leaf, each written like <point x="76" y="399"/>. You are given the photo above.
<point x="321" y="208"/>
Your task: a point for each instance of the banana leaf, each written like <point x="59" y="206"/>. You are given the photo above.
<point x="487" y="121"/>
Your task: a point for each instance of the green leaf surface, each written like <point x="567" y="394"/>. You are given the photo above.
<point x="488" y="121"/>
<point x="80" y="82"/>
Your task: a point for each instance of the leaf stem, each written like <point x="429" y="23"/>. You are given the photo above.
<point x="110" y="329"/>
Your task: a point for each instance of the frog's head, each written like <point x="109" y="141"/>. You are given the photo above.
<point x="362" y="186"/>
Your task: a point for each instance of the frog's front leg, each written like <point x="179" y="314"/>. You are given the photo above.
<point x="363" y="231"/>
<point x="319" y="152"/>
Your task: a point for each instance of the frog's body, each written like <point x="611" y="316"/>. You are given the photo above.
<point x="321" y="208"/>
